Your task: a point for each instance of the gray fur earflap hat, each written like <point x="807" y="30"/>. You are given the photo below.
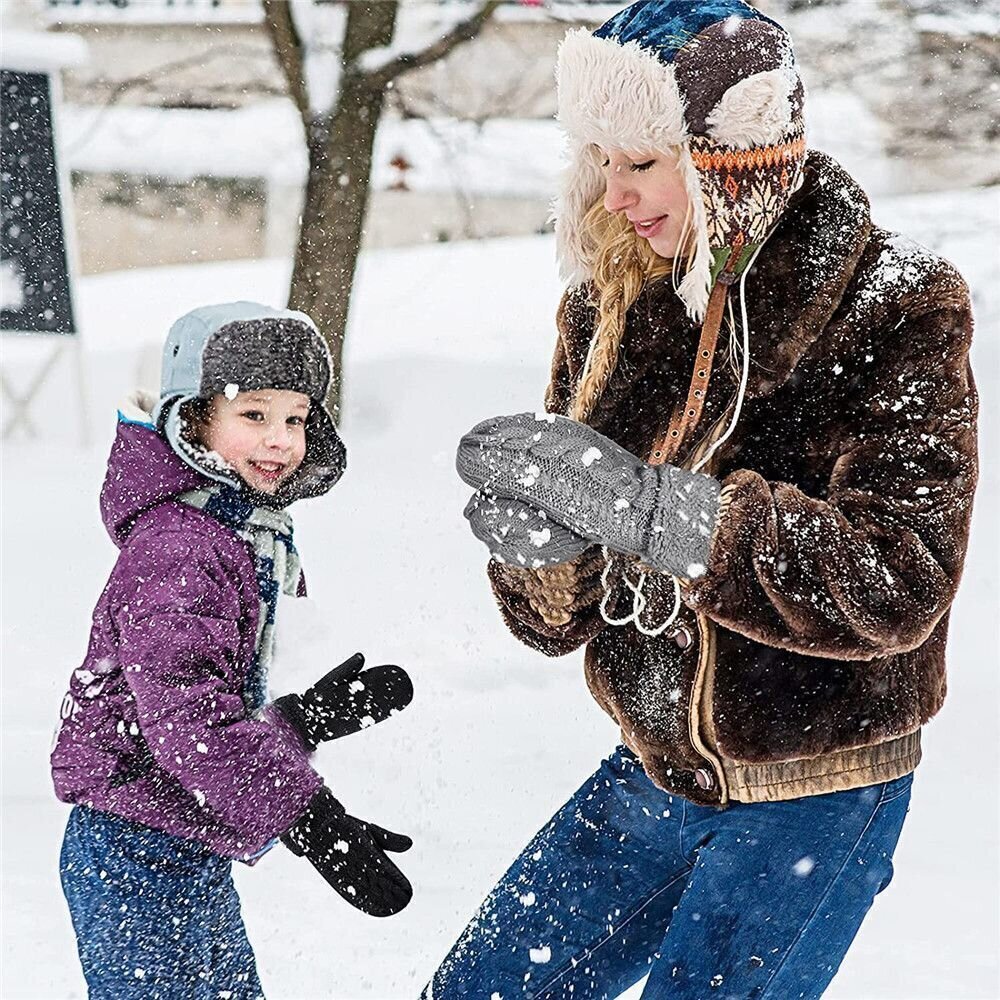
<point x="238" y="347"/>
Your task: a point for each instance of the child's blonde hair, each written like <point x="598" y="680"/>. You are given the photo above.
<point x="622" y="263"/>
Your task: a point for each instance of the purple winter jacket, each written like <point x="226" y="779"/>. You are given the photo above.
<point x="153" y="726"/>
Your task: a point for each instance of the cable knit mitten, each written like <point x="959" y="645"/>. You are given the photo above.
<point x="662" y="514"/>
<point x="519" y="534"/>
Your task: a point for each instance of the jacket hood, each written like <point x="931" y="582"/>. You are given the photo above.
<point x="714" y="79"/>
<point x="143" y="470"/>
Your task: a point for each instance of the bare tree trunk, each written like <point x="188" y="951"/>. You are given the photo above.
<point x="340" y="155"/>
<point x="340" y="144"/>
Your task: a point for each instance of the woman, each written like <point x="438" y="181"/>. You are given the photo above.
<point x="761" y="411"/>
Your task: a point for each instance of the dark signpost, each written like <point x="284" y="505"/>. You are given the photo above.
<point x="36" y="290"/>
<point x="36" y="298"/>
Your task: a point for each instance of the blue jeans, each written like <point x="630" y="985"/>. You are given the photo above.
<point x="156" y="917"/>
<point x="750" y="901"/>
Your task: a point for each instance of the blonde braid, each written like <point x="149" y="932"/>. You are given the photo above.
<point x="622" y="264"/>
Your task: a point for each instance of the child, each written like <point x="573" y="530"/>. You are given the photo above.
<point x="173" y="762"/>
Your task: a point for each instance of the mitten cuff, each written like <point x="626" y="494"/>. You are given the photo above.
<point x="291" y="708"/>
<point x="683" y="520"/>
<point x="321" y="806"/>
<point x="556" y="592"/>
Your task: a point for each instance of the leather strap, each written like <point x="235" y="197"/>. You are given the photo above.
<point x="684" y="420"/>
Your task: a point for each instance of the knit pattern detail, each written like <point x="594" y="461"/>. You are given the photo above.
<point x="744" y="191"/>
<point x="519" y="533"/>
<point x="730" y="160"/>
<point x="556" y="593"/>
<point x="663" y="514"/>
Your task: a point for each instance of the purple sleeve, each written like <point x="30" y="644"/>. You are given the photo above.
<point x="285" y="731"/>
<point x="177" y="612"/>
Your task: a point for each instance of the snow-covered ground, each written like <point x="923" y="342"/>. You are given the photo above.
<point x="498" y="736"/>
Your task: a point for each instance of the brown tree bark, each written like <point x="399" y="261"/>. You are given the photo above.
<point x="340" y="155"/>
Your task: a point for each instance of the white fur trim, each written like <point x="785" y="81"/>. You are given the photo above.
<point x="694" y="288"/>
<point x="583" y="184"/>
<point x="755" y="111"/>
<point x="618" y="95"/>
<point x="138" y="406"/>
<point x="621" y="97"/>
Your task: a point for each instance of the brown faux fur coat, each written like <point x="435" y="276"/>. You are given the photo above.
<point x="812" y="651"/>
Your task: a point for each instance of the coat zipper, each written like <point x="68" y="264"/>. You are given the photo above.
<point x="697" y="710"/>
<point x="700" y="709"/>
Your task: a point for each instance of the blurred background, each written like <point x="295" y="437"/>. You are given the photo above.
<point x="181" y="140"/>
<point x="388" y="166"/>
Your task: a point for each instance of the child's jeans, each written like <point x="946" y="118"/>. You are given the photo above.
<point x="155" y="916"/>
<point x="750" y="901"/>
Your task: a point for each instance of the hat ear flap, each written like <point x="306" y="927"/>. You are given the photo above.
<point x="583" y="184"/>
<point x="325" y="459"/>
<point x="756" y="111"/>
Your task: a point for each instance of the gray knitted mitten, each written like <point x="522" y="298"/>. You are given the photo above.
<point x="597" y="489"/>
<point x="519" y="534"/>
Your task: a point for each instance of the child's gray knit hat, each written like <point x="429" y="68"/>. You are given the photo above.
<point x="238" y="347"/>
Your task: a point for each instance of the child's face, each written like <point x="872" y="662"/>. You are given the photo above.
<point x="260" y="434"/>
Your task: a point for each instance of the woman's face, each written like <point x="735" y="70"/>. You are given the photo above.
<point x="649" y="190"/>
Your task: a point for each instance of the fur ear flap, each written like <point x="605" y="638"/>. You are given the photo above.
<point x="696" y="286"/>
<point x="618" y="95"/>
<point x="756" y="111"/>
<point x="583" y="184"/>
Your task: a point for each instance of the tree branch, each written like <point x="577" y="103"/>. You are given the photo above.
<point x="288" y="49"/>
<point x="154" y="77"/>
<point x="464" y="31"/>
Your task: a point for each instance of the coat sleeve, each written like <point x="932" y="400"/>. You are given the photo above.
<point x="178" y="616"/>
<point x="868" y="568"/>
<point x="555" y="610"/>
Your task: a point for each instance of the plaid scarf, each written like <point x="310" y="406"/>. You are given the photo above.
<point x="269" y="534"/>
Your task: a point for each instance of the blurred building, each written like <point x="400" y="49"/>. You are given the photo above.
<point x="184" y="147"/>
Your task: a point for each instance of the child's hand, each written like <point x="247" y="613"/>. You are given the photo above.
<point x="347" y="699"/>
<point x="350" y="855"/>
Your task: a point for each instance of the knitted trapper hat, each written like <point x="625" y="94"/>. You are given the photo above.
<point x="714" y="77"/>
<point x="242" y="346"/>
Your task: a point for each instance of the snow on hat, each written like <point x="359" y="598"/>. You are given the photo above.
<point x="716" y="78"/>
<point x="238" y="347"/>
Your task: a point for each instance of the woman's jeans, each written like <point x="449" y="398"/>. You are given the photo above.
<point x="749" y="901"/>
<point x="156" y="917"/>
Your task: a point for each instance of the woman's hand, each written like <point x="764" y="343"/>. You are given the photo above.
<point x="519" y="534"/>
<point x="583" y="480"/>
